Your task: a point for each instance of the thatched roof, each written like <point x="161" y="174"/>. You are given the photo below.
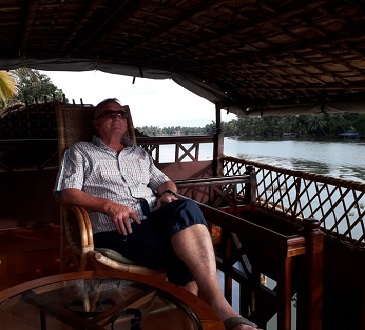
<point x="279" y="56"/>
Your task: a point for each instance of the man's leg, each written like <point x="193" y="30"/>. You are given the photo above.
<point x="193" y="245"/>
<point x="183" y="222"/>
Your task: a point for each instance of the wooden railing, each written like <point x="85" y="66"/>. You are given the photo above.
<point x="28" y="154"/>
<point x="248" y="253"/>
<point x="338" y="204"/>
<point x="180" y="157"/>
<point x="182" y="148"/>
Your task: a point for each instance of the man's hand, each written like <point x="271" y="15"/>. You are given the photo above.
<point x="165" y="198"/>
<point x="121" y="216"/>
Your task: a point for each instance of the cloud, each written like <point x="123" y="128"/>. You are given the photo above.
<point x="153" y="102"/>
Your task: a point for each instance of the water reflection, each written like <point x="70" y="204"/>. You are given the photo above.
<point x="337" y="158"/>
<point x="316" y="167"/>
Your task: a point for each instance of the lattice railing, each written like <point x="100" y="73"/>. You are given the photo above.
<point x="338" y="204"/>
<point x="176" y="148"/>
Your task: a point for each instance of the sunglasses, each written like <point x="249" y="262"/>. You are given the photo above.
<point x="112" y="114"/>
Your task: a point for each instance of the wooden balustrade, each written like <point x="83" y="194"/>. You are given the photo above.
<point x="288" y="196"/>
<point x="291" y="255"/>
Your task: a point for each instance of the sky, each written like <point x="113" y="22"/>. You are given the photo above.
<point x="160" y="103"/>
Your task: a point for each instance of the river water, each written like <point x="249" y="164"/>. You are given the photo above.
<point x="336" y="158"/>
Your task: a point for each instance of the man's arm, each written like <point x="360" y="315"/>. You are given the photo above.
<point x="166" y="197"/>
<point x="119" y="214"/>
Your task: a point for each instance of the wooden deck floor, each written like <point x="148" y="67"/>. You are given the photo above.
<point x="28" y="253"/>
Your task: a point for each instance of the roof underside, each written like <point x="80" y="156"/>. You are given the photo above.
<point x="251" y="57"/>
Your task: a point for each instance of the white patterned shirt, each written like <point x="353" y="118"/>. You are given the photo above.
<point x="127" y="177"/>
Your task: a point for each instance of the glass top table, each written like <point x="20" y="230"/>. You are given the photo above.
<point x="103" y="300"/>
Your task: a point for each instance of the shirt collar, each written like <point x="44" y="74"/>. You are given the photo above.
<point x="126" y="142"/>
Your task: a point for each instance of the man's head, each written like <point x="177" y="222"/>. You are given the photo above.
<point x="110" y="119"/>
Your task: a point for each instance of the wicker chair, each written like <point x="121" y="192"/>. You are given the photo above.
<point x="75" y="123"/>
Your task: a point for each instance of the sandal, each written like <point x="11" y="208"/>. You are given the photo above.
<point x="233" y="321"/>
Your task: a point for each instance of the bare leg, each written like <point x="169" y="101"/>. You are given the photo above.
<point x="192" y="287"/>
<point x="194" y="246"/>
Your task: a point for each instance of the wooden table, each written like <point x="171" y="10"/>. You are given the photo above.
<point x="94" y="299"/>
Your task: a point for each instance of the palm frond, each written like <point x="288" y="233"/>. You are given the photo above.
<point x="33" y="75"/>
<point x="8" y="87"/>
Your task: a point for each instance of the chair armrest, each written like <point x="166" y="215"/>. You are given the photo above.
<point x="84" y="222"/>
<point x="102" y="262"/>
<point x="80" y="237"/>
<point x="79" y="233"/>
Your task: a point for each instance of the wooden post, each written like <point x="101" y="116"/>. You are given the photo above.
<point x="250" y="192"/>
<point x="218" y="147"/>
<point x="227" y="265"/>
<point x="310" y="296"/>
<point x="284" y="293"/>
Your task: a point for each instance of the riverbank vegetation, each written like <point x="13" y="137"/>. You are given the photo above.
<point x="328" y="125"/>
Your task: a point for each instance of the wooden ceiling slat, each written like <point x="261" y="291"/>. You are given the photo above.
<point x="120" y="13"/>
<point x="29" y="21"/>
<point x="243" y="51"/>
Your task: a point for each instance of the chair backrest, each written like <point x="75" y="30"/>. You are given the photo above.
<point x="75" y="123"/>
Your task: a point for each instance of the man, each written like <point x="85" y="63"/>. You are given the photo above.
<point x="117" y="183"/>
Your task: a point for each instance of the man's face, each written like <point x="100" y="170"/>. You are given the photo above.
<point x="110" y="120"/>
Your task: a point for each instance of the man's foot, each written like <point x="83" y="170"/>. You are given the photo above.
<point x="235" y="323"/>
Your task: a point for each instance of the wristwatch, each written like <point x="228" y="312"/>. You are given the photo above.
<point x="168" y="191"/>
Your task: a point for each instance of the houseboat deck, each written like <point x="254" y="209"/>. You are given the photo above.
<point x="275" y="228"/>
<point x="249" y="58"/>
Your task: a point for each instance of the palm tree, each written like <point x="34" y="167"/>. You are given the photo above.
<point x="317" y="123"/>
<point x="337" y="122"/>
<point x="9" y="82"/>
<point x="8" y="86"/>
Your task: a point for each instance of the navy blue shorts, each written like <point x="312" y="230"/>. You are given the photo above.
<point x="149" y="244"/>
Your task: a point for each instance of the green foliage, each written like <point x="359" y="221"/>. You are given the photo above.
<point x="304" y="125"/>
<point x="176" y="130"/>
<point x="33" y="86"/>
